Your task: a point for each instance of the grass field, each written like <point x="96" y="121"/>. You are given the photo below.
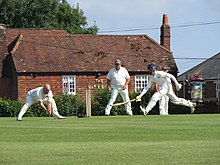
<point x="114" y="140"/>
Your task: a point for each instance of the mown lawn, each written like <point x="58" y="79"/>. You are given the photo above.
<point x="192" y="139"/>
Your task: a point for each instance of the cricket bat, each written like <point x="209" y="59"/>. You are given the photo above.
<point x="122" y="103"/>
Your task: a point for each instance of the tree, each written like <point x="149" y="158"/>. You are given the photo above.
<point x="44" y="14"/>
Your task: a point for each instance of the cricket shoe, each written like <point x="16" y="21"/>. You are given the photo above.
<point x="143" y="110"/>
<point x="19" y="119"/>
<point x="59" y="117"/>
<point x="193" y="107"/>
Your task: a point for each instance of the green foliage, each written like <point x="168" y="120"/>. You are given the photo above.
<point x="9" y="108"/>
<point x="100" y="100"/>
<point x="36" y="110"/>
<point x="69" y="105"/>
<point x="44" y="14"/>
<point x="102" y="96"/>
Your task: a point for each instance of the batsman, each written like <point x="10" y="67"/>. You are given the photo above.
<point x="117" y="82"/>
<point x="164" y="88"/>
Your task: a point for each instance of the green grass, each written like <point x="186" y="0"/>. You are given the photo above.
<point x="114" y="140"/>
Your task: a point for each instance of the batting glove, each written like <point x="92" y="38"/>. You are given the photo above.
<point x="138" y="98"/>
<point x="178" y="87"/>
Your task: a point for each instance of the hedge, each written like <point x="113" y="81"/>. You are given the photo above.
<point x="72" y="105"/>
<point x="68" y="105"/>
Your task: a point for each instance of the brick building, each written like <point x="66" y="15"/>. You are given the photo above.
<point x="72" y="62"/>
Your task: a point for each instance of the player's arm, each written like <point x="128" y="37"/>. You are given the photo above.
<point x="43" y="106"/>
<point x="49" y="105"/>
<point x="109" y="85"/>
<point x="178" y="85"/>
<point x="127" y="77"/>
<point x="126" y="83"/>
<point x="145" y="90"/>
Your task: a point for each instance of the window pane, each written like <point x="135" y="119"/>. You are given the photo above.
<point x="69" y="84"/>
<point x="140" y="82"/>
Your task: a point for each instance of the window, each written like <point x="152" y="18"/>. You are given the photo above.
<point x="140" y="82"/>
<point x="69" y="84"/>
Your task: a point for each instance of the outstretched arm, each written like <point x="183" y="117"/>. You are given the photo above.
<point x="178" y="85"/>
<point x="145" y="89"/>
<point x="142" y="93"/>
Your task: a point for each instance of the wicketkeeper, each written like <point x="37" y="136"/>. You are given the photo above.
<point x="164" y="88"/>
<point x="43" y="96"/>
<point x="117" y="82"/>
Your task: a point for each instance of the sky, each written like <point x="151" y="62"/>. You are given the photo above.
<point x="190" y="45"/>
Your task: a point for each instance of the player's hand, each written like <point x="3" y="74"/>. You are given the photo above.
<point x="124" y="87"/>
<point x="49" y="112"/>
<point x="109" y="88"/>
<point x="138" y="98"/>
<point x="178" y="87"/>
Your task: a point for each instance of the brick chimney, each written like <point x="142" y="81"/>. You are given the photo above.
<point x="165" y="33"/>
<point x="3" y="46"/>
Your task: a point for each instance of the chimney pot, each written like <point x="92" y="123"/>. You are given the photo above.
<point x="165" y="19"/>
<point x="165" y="32"/>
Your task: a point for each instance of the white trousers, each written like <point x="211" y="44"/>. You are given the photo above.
<point x="169" y="92"/>
<point x="30" y="101"/>
<point x="164" y="105"/>
<point x="125" y="96"/>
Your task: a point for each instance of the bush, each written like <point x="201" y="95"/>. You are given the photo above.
<point x="101" y="97"/>
<point x="69" y="105"/>
<point x="136" y="105"/>
<point x="9" y="108"/>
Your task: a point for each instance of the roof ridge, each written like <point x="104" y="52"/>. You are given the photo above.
<point x="17" y="43"/>
<point x="151" y="39"/>
<point x="197" y="66"/>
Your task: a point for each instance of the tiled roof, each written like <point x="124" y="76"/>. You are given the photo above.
<point x="209" y="69"/>
<point x="35" y="50"/>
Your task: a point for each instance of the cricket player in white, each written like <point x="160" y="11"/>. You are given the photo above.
<point x="164" y="101"/>
<point x="117" y="82"/>
<point x="164" y="88"/>
<point x="41" y="95"/>
<point x="164" y="105"/>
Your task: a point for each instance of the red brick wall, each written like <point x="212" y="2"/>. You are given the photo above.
<point x="83" y="82"/>
<point x="25" y="83"/>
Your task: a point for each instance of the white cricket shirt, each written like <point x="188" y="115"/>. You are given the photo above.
<point x="38" y="94"/>
<point x="118" y="77"/>
<point x="162" y="79"/>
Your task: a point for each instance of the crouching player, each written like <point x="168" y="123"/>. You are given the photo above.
<point x="42" y="95"/>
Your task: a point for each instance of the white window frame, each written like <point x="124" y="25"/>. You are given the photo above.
<point x="141" y="81"/>
<point x="69" y="84"/>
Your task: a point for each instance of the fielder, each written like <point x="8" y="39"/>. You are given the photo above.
<point x="164" y="105"/>
<point x="164" y="101"/>
<point x="41" y="95"/>
<point x="164" y="88"/>
<point x="117" y="82"/>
